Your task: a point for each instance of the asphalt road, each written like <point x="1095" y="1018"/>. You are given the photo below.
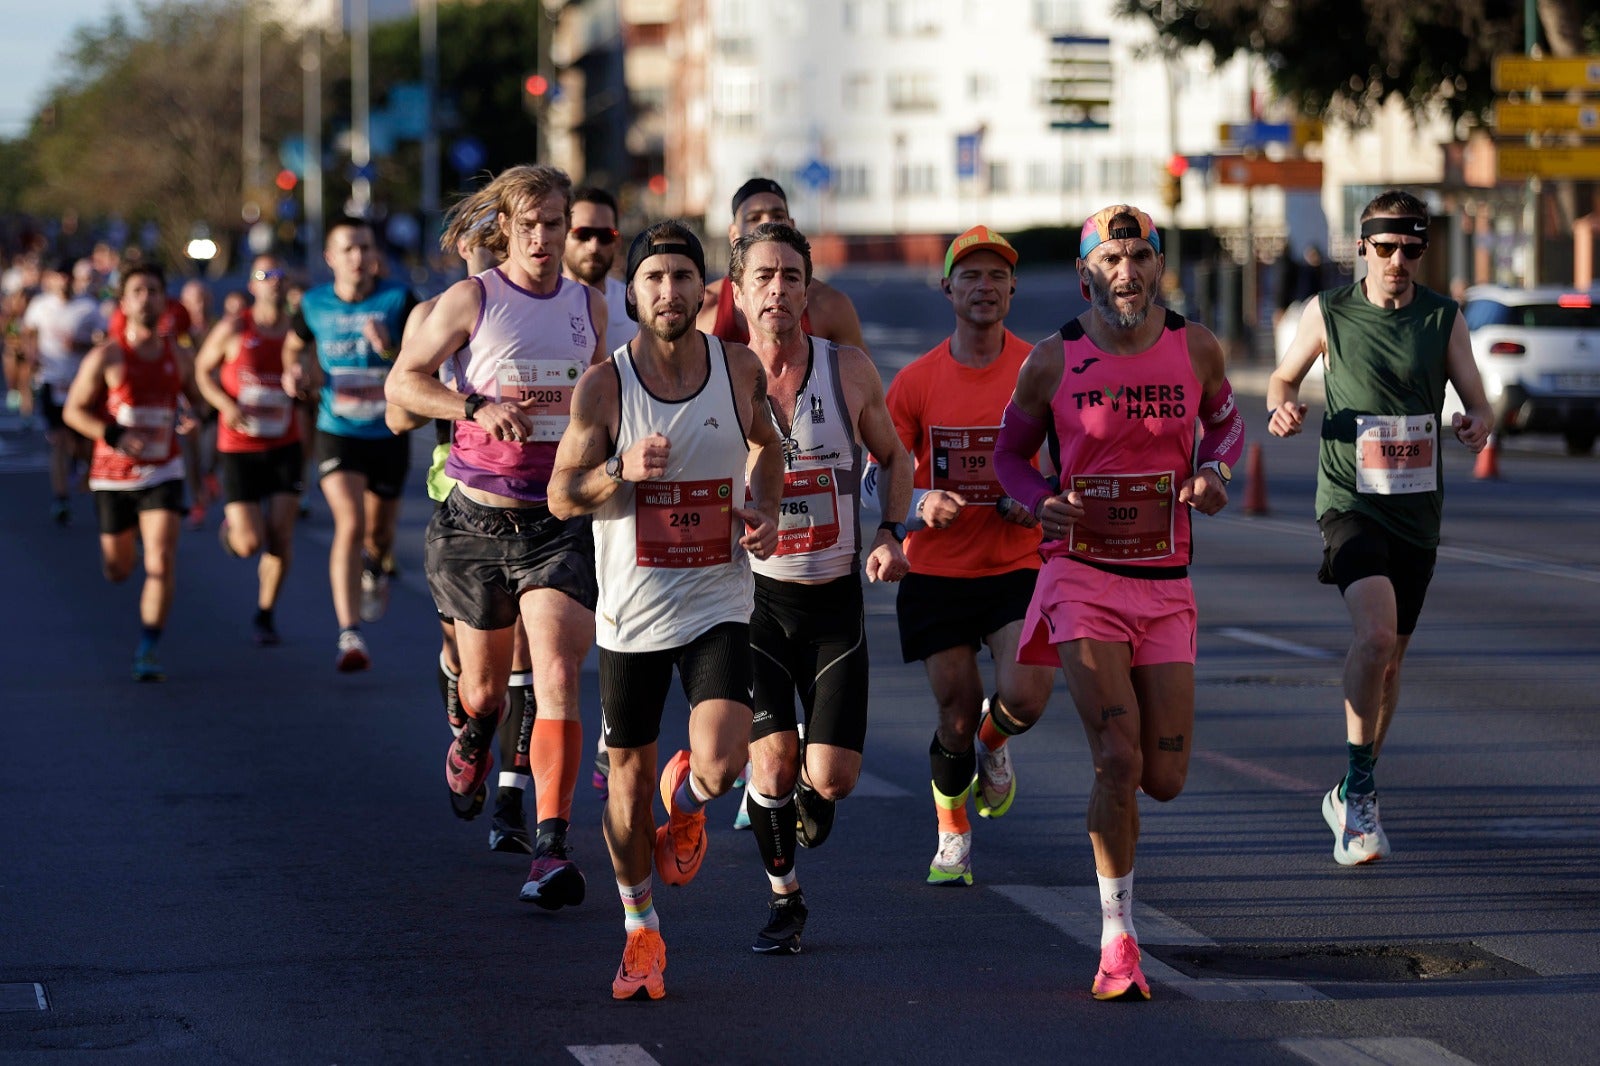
<point x="255" y="862"/>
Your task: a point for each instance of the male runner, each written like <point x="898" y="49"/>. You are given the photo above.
<point x="125" y="399"/>
<point x="1390" y="345"/>
<point x="662" y="442"/>
<point x="808" y="631"/>
<point x="1117" y="392"/>
<point x="340" y="347"/>
<point x="240" y="372"/>
<point x="592" y="245"/>
<point x="519" y="336"/>
<point x="61" y="323"/>
<point x="974" y="560"/>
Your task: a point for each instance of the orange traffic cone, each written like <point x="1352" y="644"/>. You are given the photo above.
<point x="1488" y="465"/>
<point x="1255" y="489"/>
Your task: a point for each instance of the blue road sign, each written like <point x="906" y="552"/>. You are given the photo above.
<point x="467" y="154"/>
<point x="967" y="155"/>
<point x="816" y="174"/>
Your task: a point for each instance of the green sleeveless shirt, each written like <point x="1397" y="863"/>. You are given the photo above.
<point x="1383" y="362"/>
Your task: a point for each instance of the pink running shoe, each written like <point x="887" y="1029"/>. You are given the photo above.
<point x="1119" y="975"/>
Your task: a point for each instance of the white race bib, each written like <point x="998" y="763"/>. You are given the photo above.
<point x="1395" y="454"/>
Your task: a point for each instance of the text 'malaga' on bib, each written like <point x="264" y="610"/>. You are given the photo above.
<point x="543" y="389"/>
<point x="963" y="461"/>
<point x="808" y="516"/>
<point x="1395" y="454"/>
<point x="1126" y="517"/>
<point x="683" y="524"/>
<point x="358" y="392"/>
<point x="263" y="406"/>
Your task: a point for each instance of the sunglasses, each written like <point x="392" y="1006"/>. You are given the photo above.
<point x="603" y="234"/>
<point x="267" y="275"/>
<point x="1385" y="249"/>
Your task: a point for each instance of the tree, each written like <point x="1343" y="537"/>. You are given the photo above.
<point x="1343" y="60"/>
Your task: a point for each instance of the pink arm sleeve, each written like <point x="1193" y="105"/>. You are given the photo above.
<point x="1222" y="435"/>
<point x="1021" y="436"/>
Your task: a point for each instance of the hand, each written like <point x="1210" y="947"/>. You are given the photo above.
<point x="1205" y="492"/>
<point x="887" y="560"/>
<point x="761" y="532"/>
<point x="647" y="460"/>
<point x="1015" y="513"/>
<point x="1058" y="513"/>
<point x="294" y="381"/>
<point x="1473" y="432"/>
<point x="940" y="511"/>
<point x="377" y="335"/>
<point x="232" y="417"/>
<point x="1287" y="419"/>
<point x="503" y="421"/>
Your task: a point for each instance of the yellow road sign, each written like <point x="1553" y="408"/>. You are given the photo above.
<point x="1518" y="161"/>
<point x="1514" y="117"/>
<point x="1514" y="73"/>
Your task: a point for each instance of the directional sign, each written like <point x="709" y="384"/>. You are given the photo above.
<point x="1518" y="161"/>
<point x="1255" y="134"/>
<point x="1285" y="173"/>
<point x="1514" y="73"/>
<point x="816" y="174"/>
<point x="1514" y="117"/>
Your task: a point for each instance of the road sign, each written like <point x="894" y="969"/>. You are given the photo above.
<point x="1518" y="161"/>
<point x="467" y="154"/>
<point x="1080" y="83"/>
<point x="816" y="174"/>
<point x="968" y="155"/>
<point x="1514" y="73"/>
<point x="1255" y="134"/>
<point x="1285" y="173"/>
<point x="1514" y="117"/>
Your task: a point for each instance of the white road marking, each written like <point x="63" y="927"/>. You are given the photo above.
<point x="1288" y="647"/>
<point x="611" y="1055"/>
<point x="1254" y="771"/>
<point x="1373" y="1051"/>
<point x="1076" y="912"/>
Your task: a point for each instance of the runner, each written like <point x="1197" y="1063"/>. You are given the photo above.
<point x="661" y="439"/>
<point x="975" y="557"/>
<point x="1117" y="393"/>
<point x="125" y="399"/>
<point x="199" y="445"/>
<point x="340" y="347"/>
<point x="1389" y="346"/>
<point x="808" y="631"/>
<point x="519" y="336"/>
<point x="240" y="373"/>
<point x="58" y="328"/>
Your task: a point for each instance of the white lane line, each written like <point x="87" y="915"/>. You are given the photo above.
<point x="871" y="786"/>
<point x="1288" y="647"/>
<point x="611" y="1055"/>
<point x="1245" y="768"/>
<point x="1373" y="1051"/>
<point x="1075" y="911"/>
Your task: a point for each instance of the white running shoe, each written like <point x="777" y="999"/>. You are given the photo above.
<point x="374" y="595"/>
<point x="996" y="781"/>
<point x="1358" y="836"/>
<point x="353" y="656"/>
<point x="952" y="863"/>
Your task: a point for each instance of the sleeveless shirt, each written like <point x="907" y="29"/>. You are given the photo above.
<point x="145" y="404"/>
<point x="254" y="378"/>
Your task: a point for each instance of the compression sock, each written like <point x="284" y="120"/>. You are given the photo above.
<point x="773" y="821"/>
<point x="1116" y="907"/>
<point x="952" y="784"/>
<point x="997" y="726"/>
<point x="514" y="731"/>
<point x="689" y="799"/>
<point x="1358" y="778"/>
<point x="555" y="751"/>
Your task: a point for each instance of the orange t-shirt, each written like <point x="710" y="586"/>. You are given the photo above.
<point x="948" y="416"/>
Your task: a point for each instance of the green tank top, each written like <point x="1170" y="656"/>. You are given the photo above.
<point x="1383" y="363"/>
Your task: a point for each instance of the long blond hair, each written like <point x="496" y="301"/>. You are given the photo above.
<point x="477" y="217"/>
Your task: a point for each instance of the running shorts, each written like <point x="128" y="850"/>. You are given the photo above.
<point x="383" y="461"/>
<point x="1355" y="546"/>
<point x="810" y="641"/>
<point x="250" y="477"/>
<point x="1155" y="617"/>
<point x="633" y="685"/>
<point x="939" y="613"/>
<point x="119" y="509"/>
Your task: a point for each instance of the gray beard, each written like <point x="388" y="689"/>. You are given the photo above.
<point x="1114" y="318"/>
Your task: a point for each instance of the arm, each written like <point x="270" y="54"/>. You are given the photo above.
<point x="1474" y="427"/>
<point x="302" y="373"/>
<point x="1222" y="425"/>
<point x="1283" y="389"/>
<point x="207" y="365"/>
<point x="186" y="378"/>
<point x="84" y="411"/>
<point x="886" y="559"/>
<point x="601" y="317"/>
<point x="834" y="316"/>
<point x="579" y="483"/>
<point x="764" y="469"/>
<point x="1023" y="428"/>
<point x="397" y="418"/>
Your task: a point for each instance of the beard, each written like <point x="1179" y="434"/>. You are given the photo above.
<point x="591" y="270"/>
<point x="1100" y="298"/>
<point x="670" y="332"/>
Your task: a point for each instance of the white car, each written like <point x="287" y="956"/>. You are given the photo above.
<point x="1538" y="351"/>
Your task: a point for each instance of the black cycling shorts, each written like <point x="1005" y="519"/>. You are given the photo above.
<point x="633" y="684"/>
<point x="810" y="641"/>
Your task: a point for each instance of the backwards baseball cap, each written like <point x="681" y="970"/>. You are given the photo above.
<point x="755" y="186"/>
<point x="682" y="242"/>
<point x="1098" y="228"/>
<point x="978" y="239"/>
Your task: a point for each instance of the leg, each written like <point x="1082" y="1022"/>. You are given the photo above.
<point x="1373" y="652"/>
<point x="1021" y="694"/>
<point x="1098" y="677"/>
<point x="1390" y="696"/>
<point x="485" y="667"/>
<point x="344" y="492"/>
<point x="117" y="556"/>
<point x="958" y="691"/>
<point x="1165" y="694"/>
<point x="245" y="528"/>
<point x="159" y="532"/>
<point x="282" y="510"/>
<point x="382" y="515"/>
<point x="560" y="631"/>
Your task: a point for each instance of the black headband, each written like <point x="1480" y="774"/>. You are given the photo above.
<point x="1405" y="225"/>
<point x="755" y="186"/>
<point x="643" y="248"/>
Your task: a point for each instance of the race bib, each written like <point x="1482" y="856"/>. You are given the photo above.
<point x="152" y="427"/>
<point x="1127" y="517"/>
<point x="963" y="461"/>
<point x="808" y="516"/>
<point x="680" y="525"/>
<point x="358" y="392"/>
<point x="543" y="389"/>
<point x="264" y="407"/>
<point x="1395" y="454"/>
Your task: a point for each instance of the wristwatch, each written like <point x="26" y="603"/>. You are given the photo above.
<point x="474" y="403"/>
<point x="614" y="468"/>
<point x="897" y="530"/>
<point x="1224" y="471"/>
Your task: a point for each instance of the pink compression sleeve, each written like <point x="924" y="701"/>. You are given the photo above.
<point x="1021" y="436"/>
<point x="1223" y="434"/>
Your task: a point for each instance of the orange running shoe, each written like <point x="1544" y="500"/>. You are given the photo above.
<point x="643" y="960"/>
<point x="681" y="843"/>
<point x="1119" y="974"/>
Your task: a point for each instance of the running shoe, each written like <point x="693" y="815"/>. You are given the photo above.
<point x="1119" y="975"/>
<point x="681" y="843"/>
<point x="266" y="634"/>
<point x="1358" y="836"/>
<point x="197" y="516"/>
<point x="602" y="771"/>
<point x="145" y="666"/>
<point x="353" y="655"/>
<point x="453" y="713"/>
<point x="643" y="960"/>
<point x="469" y="807"/>
<point x="374" y="595"/>
<point x="952" y="863"/>
<point x="781" y="936"/>
<point x="741" y="816"/>
<point x="813" y="815"/>
<point x="554" y="880"/>
<point x="468" y="761"/>
<point x="509" y="829"/>
<point x="995" y="783"/>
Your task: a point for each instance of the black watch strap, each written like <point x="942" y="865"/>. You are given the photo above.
<point x="896" y="529"/>
<point x="474" y="402"/>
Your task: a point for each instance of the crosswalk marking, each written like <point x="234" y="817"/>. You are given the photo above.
<point x="611" y="1055"/>
<point x="1263" y="640"/>
<point x="1373" y="1051"/>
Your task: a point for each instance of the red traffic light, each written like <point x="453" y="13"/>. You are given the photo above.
<point x="536" y="85"/>
<point x="1178" y="165"/>
<point x="658" y="184"/>
<point x="286" y="180"/>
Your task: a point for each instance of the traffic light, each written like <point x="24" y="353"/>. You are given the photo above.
<point x="1172" y="182"/>
<point x="535" y="90"/>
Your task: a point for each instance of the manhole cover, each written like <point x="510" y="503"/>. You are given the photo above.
<point x="1343" y="962"/>
<point x="20" y="996"/>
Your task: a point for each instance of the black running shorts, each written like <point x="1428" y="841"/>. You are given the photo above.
<point x="480" y="559"/>
<point x="1355" y="546"/>
<point x="810" y="641"/>
<point x="119" y="509"/>
<point x="939" y="613"/>
<point x="382" y="461"/>
<point x="633" y="684"/>
<point x="250" y="477"/>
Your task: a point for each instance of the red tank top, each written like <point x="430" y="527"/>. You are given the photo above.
<point x="145" y="404"/>
<point x="254" y="378"/>
<point x="730" y="327"/>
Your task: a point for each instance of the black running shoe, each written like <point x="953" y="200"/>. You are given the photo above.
<point x="813" y="815"/>
<point x="509" y="830"/>
<point x="782" y="933"/>
<point x="554" y="880"/>
<point x="469" y="807"/>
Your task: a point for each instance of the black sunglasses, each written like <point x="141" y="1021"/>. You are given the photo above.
<point x="267" y="275"/>
<point x="1385" y="249"/>
<point x="603" y="234"/>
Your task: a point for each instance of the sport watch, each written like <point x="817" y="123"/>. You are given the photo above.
<point x="897" y="530"/>
<point x="1224" y="471"/>
<point x="614" y="468"/>
<point x="475" y="403"/>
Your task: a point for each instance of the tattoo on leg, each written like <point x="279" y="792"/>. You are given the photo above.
<point x="1170" y="743"/>
<point x="1116" y="710"/>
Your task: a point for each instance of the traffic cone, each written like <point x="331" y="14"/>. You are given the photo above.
<point x="1255" y="489"/>
<point x="1488" y="465"/>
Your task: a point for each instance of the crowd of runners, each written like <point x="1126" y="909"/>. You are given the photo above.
<point x="686" y="473"/>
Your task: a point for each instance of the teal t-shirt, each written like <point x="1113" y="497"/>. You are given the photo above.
<point x="353" y="372"/>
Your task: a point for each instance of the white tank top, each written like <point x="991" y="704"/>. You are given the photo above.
<point x="666" y="551"/>
<point x="819" y="533"/>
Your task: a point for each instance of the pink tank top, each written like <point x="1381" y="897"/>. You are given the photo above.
<point x="1123" y="436"/>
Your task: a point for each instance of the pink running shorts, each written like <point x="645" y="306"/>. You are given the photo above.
<point x="1075" y="601"/>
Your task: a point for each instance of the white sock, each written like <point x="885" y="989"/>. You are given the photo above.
<point x="1116" y="907"/>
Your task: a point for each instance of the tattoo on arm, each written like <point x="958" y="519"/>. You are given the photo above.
<point x="1170" y="743"/>
<point x="759" y="396"/>
<point x="1116" y="710"/>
